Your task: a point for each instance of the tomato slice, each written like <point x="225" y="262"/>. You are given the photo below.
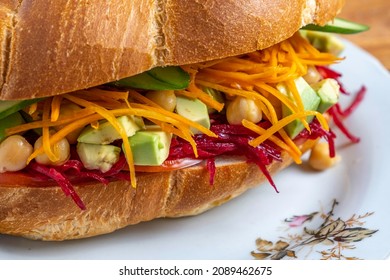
<point x="168" y="165"/>
<point x="15" y="179"/>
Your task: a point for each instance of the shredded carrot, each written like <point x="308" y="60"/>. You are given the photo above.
<point x="95" y="125"/>
<point x="46" y="132"/>
<point x="296" y="96"/>
<point x="39" y="124"/>
<point x="285" y="121"/>
<point x="55" y="107"/>
<point x="141" y="98"/>
<point x="169" y="117"/>
<point x="295" y="154"/>
<point x="283" y="134"/>
<point x="204" y="97"/>
<point x="185" y="93"/>
<point x="94" y="94"/>
<point x="32" y="108"/>
<point x="283" y="98"/>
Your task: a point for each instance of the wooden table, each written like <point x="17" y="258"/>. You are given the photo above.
<point x="376" y="14"/>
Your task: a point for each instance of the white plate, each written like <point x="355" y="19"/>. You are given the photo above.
<point x="360" y="184"/>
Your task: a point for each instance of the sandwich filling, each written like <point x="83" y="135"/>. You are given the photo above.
<point x="255" y="105"/>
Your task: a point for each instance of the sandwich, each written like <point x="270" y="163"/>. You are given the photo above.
<point x="118" y="112"/>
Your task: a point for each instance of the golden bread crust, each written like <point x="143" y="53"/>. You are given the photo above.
<point x="83" y="44"/>
<point x="46" y="213"/>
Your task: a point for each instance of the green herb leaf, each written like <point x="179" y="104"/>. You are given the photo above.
<point x="340" y="26"/>
<point x="159" y="78"/>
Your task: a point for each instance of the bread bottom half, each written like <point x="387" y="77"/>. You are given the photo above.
<point x="45" y="213"/>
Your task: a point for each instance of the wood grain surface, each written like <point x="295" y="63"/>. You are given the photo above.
<point x="376" y="14"/>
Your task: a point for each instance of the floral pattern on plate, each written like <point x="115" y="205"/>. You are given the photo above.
<point x="333" y="237"/>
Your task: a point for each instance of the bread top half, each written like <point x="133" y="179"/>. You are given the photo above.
<point x="51" y="47"/>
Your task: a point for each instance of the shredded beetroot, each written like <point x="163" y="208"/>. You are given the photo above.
<point x="74" y="170"/>
<point x="355" y="103"/>
<point x="61" y="180"/>
<point x="210" y="165"/>
<point x="77" y="167"/>
<point x="232" y="140"/>
<point x="232" y="130"/>
<point x="317" y="131"/>
<point x="116" y="168"/>
<point x="71" y="164"/>
<point x="328" y="73"/>
<point x="338" y="122"/>
<point x="259" y="158"/>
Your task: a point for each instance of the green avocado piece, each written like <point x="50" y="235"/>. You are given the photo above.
<point x="338" y="25"/>
<point x="216" y="95"/>
<point x="150" y="147"/>
<point x="194" y="110"/>
<point x="310" y="101"/>
<point x="27" y="118"/>
<point x="8" y="107"/>
<point x="159" y="78"/>
<point x="106" y="133"/>
<point x="324" y="42"/>
<point x="10" y="121"/>
<point x="101" y="157"/>
<point x="329" y="92"/>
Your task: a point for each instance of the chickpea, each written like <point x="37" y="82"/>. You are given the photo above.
<point x="14" y="152"/>
<point x="319" y="157"/>
<point x="61" y="149"/>
<point x="312" y="76"/>
<point x="243" y="108"/>
<point x="164" y="98"/>
<point x="66" y="110"/>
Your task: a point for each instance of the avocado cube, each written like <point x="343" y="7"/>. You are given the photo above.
<point x="106" y="133"/>
<point x="100" y="157"/>
<point x="194" y="110"/>
<point x="150" y="147"/>
<point x="324" y="42"/>
<point x="329" y="92"/>
<point x="214" y="94"/>
<point x="8" y="107"/>
<point x="8" y="122"/>
<point x="310" y="101"/>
